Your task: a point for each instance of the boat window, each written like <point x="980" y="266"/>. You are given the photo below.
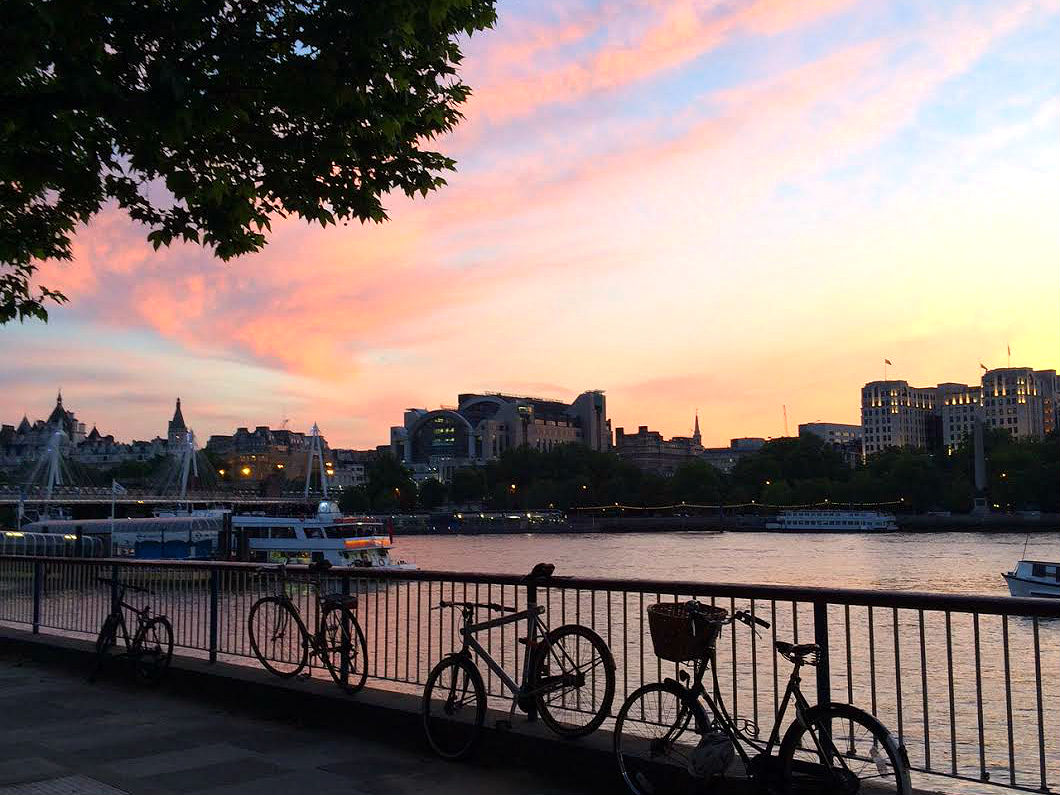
<point x="1038" y="570"/>
<point x="314" y="532"/>
<point x="283" y="532"/>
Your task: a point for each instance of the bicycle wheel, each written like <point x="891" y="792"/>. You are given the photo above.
<point x="573" y="676"/>
<point x="454" y="707"/>
<point x="276" y="636"/>
<point x="343" y="646"/>
<point x="108" y="635"/>
<point x="153" y="649"/>
<point x="656" y="731"/>
<point x="855" y="748"/>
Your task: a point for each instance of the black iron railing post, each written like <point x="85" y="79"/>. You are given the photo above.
<point x="215" y="583"/>
<point x="38" y="593"/>
<point x="344" y="664"/>
<point x="531" y="599"/>
<point x="820" y="637"/>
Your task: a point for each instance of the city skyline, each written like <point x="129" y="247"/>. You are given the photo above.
<point x="730" y="209"/>
<point x="152" y="427"/>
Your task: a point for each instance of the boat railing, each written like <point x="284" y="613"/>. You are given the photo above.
<point x="968" y="683"/>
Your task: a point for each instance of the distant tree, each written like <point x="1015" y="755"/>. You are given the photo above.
<point x="390" y="485"/>
<point x="204" y="120"/>
<point x="354" y="499"/>
<point x="696" y="481"/>
<point x="468" y="485"/>
<point x="432" y="493"/>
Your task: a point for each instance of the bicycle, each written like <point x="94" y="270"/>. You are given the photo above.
<point x="283" y="643"/>
<point x="150" y="647"/>
<point x="666" y="741"/>
<point x="568" y="677"/>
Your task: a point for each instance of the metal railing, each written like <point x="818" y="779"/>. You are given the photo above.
<point x="970" y="684"/>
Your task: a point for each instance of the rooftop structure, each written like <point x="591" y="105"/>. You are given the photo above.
<point x="433" y="443"/>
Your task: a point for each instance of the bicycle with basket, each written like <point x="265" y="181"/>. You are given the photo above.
<point x="673" y="735"/>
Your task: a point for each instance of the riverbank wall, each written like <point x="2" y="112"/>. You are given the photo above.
<point x="913" y="523"/>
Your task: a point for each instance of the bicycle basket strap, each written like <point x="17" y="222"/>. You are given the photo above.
<point x="680" y="636"/>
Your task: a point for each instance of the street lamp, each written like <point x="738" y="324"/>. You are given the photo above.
<point x="245" y="471"/>
<point x="221" y="472"/>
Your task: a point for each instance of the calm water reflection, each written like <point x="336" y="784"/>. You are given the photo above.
<point x="963" y="563"/>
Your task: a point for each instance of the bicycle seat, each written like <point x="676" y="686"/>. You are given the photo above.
<point x="799" y="653"/>
<point x="542" y="571"/>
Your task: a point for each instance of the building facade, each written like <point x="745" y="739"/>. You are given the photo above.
<point x="434" y="443"/>
<point x="1019" y="400"/>
<point x="25" y="443"/>
<point x="725" y="458"/>
<point x="651" y="452"/>
<point x="846" y="439"/>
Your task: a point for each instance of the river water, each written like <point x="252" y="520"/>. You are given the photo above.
<point x="961" y="563"/>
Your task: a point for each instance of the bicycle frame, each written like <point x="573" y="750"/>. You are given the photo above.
<point x="536" y="624"/>
<point x="142" y="614"/>
<point x="720" y="713"/>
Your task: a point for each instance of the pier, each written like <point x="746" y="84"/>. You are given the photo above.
<point x="968" y="683"/>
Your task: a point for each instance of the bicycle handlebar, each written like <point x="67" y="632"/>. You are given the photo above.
<point x="740" y="615"/>
<point x="750" y="620"/>
<point x="125" y="585"/>
<point x="484" y="605"/>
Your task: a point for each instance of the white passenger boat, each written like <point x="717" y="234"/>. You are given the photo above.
<point x="1034" y="578"/>
<point x="343" y="541"/>
<point x="833" y="521"/>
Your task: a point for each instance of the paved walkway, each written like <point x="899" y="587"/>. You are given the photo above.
<point x="60" y="735"/>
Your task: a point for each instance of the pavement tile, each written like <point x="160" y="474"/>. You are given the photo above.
<point x="235" y="771"/>
<point x="16" y="768"/>
<point x="302" y="782"/>
<point x="180" y="760"/>
<point x="66" y="785"/>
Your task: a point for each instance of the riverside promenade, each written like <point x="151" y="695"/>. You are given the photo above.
<point x="62" y="735"/>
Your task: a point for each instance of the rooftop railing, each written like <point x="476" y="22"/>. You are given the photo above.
<point x="970" y="684"/>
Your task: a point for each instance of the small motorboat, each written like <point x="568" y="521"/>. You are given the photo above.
<point x="1034" y="578"/>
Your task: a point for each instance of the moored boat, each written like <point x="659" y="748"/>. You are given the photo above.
<point x="343" y="541"/>
<point x="833" y="521"/>
<point x="1034" y="578"/>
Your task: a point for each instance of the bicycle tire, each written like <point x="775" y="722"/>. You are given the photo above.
<point x="352" y="647"/>
<point x="650" y="761"/>
<point x="153" y="649"/>
<point x="108" y="635"/>
<point x="563" y="647"/>
<point x="799" y="773"/>
<point x="452" y="731"/>
<point x="284" y="619"/>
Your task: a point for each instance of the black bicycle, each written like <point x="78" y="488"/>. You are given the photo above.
<point x="283" y="643"/>
<point x="149" y="647"/>
<point x="568" y="677"/>
<point x="672" y="733"/>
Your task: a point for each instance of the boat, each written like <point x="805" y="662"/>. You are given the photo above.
<point x="343" y="541"/>
<point x="1034" y="578"/>
<point x="833" y="521"/>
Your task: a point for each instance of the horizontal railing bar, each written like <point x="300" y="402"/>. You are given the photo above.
<point x="984" y="604"/>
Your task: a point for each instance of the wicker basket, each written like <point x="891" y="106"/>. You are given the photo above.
<point x="680" y="636"/>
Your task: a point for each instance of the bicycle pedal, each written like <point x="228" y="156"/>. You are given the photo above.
<point x="504" y="725"/>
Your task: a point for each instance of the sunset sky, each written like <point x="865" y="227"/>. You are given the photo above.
<point x="728" y="206"/>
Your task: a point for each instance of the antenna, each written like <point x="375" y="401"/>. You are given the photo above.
<point x="785" y="419"/>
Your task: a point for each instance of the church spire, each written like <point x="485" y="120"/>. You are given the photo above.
<point x="696" y="437"/>
<point x="177" y="423"/>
